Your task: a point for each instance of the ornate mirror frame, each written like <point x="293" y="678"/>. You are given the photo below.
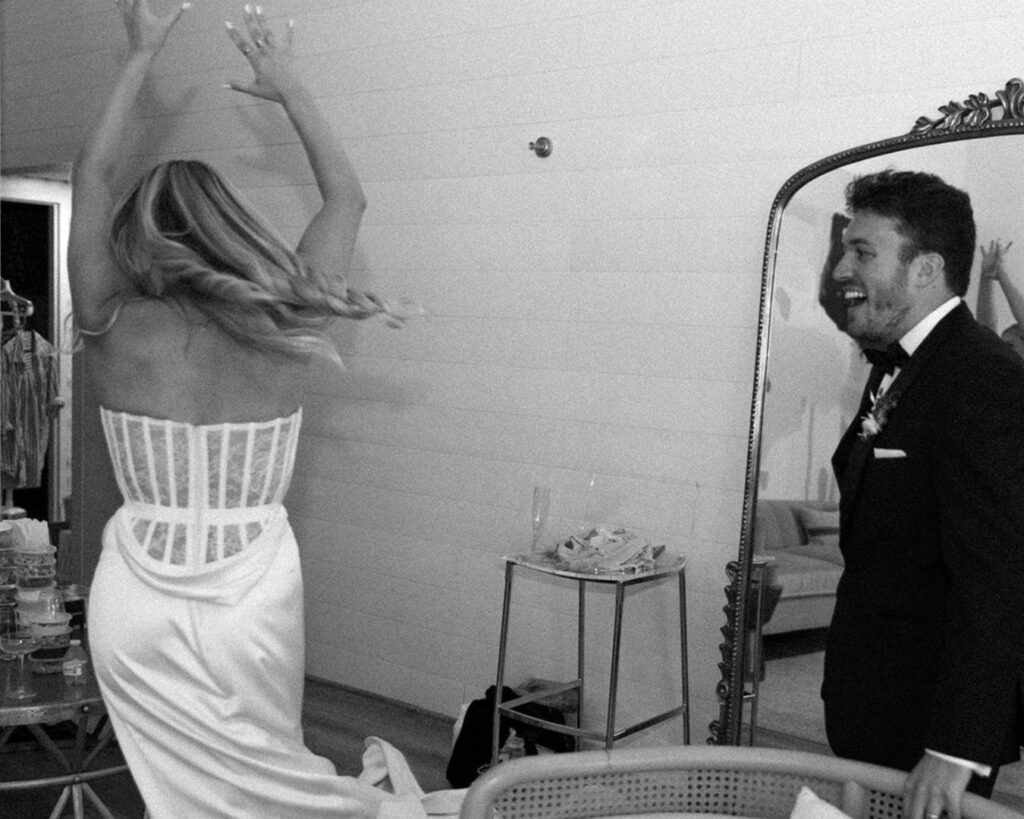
<point x="979" y="116"/>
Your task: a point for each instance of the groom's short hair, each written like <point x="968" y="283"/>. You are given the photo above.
<point x="933" y="217"/>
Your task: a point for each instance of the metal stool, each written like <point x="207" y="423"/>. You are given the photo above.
<point x="549" y="564"/>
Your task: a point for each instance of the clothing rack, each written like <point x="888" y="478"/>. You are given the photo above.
<point x="19" y="309"/>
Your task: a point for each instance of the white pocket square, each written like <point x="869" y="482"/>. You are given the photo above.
<point x="889" y="453"/>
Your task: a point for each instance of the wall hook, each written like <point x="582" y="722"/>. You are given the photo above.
<point x="542" y="147"/>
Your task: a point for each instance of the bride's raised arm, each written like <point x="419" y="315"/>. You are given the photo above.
<point x="329" y="239"/>
<point x="94" y="278"/>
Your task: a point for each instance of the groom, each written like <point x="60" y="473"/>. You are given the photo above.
<point x="924" y="664"/>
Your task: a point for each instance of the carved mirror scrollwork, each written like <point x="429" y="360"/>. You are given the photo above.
<point x="801" y="262"/>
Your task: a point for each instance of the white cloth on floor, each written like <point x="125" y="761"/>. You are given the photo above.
<point x="384" y="766"/>
<point x="811" y="806"/>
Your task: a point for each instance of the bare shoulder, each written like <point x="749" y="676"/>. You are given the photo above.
<point x="161" y="360"/>
<point x="134" y="324"/>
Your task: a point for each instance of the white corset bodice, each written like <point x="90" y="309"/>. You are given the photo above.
<point x="198" y="493"/>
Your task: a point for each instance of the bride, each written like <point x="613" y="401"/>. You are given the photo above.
<point x="199" y="325"/>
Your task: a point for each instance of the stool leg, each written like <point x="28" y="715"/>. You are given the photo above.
<point x="613" y="684"/>
<point x="581" y="631"/>
<point x="684" y="657"/>
<point x="77" y="801"/>
<point x="97" y="803"/>
<point x="58" y="809"/>
<point x="500" y="681"/>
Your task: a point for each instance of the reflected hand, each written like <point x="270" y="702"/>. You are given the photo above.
<point x="933" y="787"/>
<point x="271" y="61"/>
<point x="146" y="31"/>
<point x="992" y="259"/>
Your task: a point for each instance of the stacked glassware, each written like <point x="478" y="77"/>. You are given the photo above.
<point x="41" y="605"/>
<point x="8" y="588"/>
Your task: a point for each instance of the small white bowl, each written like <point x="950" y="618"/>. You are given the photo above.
<point x="36" y="582"/>
<point x="47" y="618"/>
<point x="49" y="629"/>
<point x="52" y="641"/>
<point x="28" y="555"/>
<point x="32" y="596"/>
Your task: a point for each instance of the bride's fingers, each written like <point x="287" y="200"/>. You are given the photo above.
<point x="173" y="17"/>
<point x="254" y="25"/>
<point x="243" y="87"/>
<point x="237" y="38"/>
<point x="266" y="33"/>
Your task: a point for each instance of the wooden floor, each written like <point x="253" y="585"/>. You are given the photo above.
<point x="790" y="714"/>
<point x="336" y="720"/>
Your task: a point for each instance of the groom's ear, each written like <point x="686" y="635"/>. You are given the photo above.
<point x="927" y="269"/>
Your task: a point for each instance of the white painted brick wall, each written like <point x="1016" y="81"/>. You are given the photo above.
<point x="592" y="313"/>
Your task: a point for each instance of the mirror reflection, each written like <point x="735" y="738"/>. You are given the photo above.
<point x="816" y="374"/>
<point x="814" y="380"/>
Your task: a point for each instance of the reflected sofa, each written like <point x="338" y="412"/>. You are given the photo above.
<point x="802" y="540"/>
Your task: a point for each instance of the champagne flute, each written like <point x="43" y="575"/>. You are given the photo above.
<point x="8" y="623"/>
<point x="21" y="644"/>
<point x="541" y="506"/>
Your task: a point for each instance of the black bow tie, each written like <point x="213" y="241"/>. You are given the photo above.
<point x="888" y="359"/>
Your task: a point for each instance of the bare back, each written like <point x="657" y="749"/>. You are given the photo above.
<point x="156" y="361"/>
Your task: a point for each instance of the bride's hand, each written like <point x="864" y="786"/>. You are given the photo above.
<point x="147" y="31"/>
<point x="271" y="60"/>
<point x="992" y="259"/>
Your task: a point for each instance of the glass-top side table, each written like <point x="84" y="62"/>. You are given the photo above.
<point x="550" y="564"/>
<point x="57" y="702"/>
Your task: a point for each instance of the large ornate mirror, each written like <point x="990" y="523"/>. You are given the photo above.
<point x="809" y="376"/>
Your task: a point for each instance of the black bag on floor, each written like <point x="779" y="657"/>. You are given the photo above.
<point x="472" y="749"/>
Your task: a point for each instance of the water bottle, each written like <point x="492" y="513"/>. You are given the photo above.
<point x="513" y="748"/>
<point x="73" y="666"/>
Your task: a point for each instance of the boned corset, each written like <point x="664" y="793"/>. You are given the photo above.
<point x="199" y="493"/>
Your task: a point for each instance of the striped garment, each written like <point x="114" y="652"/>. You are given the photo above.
<point x="28" y="400"/>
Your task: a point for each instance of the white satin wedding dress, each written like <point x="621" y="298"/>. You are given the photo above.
<point x="196" y="625"/>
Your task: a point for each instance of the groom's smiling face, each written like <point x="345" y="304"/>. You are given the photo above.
<point x="872" y="276"/>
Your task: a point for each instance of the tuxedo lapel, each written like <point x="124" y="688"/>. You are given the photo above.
<point x="956" y="319"/>
<point x="853" y="451"/>
<point x="841" y="458"/>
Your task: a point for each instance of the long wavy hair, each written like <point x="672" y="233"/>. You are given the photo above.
<point x="182" y="234"/>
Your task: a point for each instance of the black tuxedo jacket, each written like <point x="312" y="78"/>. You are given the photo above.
<point x="926" y="647"/>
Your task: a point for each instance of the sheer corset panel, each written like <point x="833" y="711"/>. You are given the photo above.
<point x="199" y="493"/>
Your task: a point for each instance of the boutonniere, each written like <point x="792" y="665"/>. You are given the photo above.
<point x="881" y="405"/>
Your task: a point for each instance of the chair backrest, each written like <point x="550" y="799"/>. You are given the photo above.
<point x="729" y="781"/>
